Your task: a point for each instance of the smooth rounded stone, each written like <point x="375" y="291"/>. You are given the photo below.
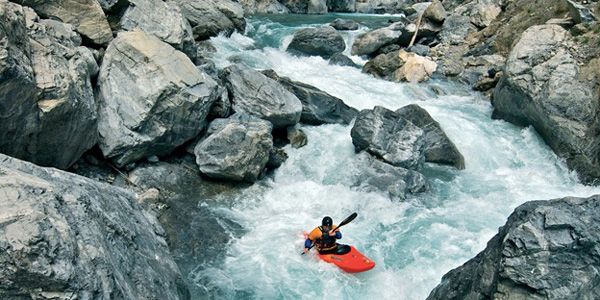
<point x="539" y="70"/>
<point x="277" y="157"/>
<point x="210" y="17"/>
<point x="383" y="65"/>
<point x="151" y="97"/>
<point x="318" y="107"/>
<point x="439" y="148"/>
<point x="369" y="42"/>
<point x="388" y="136"/>
<point x="455" y="29"/>
<point x="297" y="137"/>
<point x="415" y="68"/>
<point x="375" y="175"/>
<point x="340" y="59"/>
<point x="86" y="15"/>
<point x="69" y="237"/>
<point x="54" y="120"/>
<point x="419" y="49"/>
<point x="255" y="94"/>
<point x="323" y="41"/>
<point x="163" y="20"/>
<point x="435" y="12"/>
<point x="344" y="24"/>
<point x="235" y="149"/>
<point x="546" y="250"/>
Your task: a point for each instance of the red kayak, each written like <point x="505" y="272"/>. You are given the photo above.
<point x="351" y="262"/>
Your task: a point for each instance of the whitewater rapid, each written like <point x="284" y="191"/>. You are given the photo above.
<point x="413" y="242"/>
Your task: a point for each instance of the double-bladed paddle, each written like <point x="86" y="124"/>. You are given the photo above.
<point x="346" y="221"/>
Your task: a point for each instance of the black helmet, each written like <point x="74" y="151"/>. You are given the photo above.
<point x="327" y="221"/>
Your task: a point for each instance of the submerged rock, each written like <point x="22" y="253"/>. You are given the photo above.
<point x="255" y="94"/>
<point x="546" y="250"/>
<point x="47" y="108"/>
<point x="543" y="87"/>
<point x="318" y="107"/>
<point x="341" y="60"/>
<point x="236" y="149"/>
<point x="324" y="42"/>
<point x="68" y="237"/>
<point x="151" y="97"/>
<point x="344" y="24"/>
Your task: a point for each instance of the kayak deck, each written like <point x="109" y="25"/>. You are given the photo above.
<point x="351" y="262"/>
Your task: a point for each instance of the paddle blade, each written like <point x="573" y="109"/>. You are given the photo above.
<point x="348" y="219"/>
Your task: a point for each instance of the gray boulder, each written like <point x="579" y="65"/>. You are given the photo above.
<point x="255" y="94"/>
<point x="375" y="175"/>
<point x="580" y="13"/>
<point x="369" y="42"/>
<point x="108" y="5"/>
<point x="341" y="60"/>
<point x="235" y="149"/>
<point x="47" y="109"/>
<point x="323" y="41"/>
<point x="438" y="147"/>
<point x="546" y="250"/>
<point x="389" y="137"/>
<point x="318" y="107"/>
<point x="163" y="20"/>
<point x="344" y="24"/>
<point x="435" y="12"/>
<point x="210" y="17"/>
<point x="68" y="237"/>
<point x="341" y="6"/>
<point x="151" y="97"/>
<point x="86" y="15"/>
<point x="264" y="7"/>
<point x="316" y="7"/>
<point x="455" y="29"/>
<point x="542" y="88"/>
<point x="384" y="65"/>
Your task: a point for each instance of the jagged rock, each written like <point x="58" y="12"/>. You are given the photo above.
<point x="383" y="65"/>
<point x="415" y="68"/>
<point x="388" y="136"/>
<point x="427" y="30"/>
<point x="86" y="15"/>
<point x="109" y="5"/>
<point x="438" y="147"/>
<point x="323" y="41"/>
<point x="297" y="137"/>
<point x="369" y="42"/>
<point x="419" y="49"/>
<point x="210" y="17"/>
<point x="151" y="97"/>
<point x="263" y="7"/>
<point x="222" y="106"/>
<point x="341" y="6"/>
<point x="375" y="175"/>
<point x="344" y="24"/>
<point x="455" y="29"/>
<point x="580" y="13"/>
<point x="482" y="72"/>
<point x="546" y="250"/>
<point x="484" y="13"/>
<point x="257" y="95"/>
<point x="163" y="20"/>
<point x="47" y="109"/>
<point x="316" y="7"/>
<point x="341" y="60"/>
<point x="542" y="87"/>
<point x="318" y="107"/>
<point x="277" y="157"/>
<point x="68" y="237"/>
<point x="435" y="12"/>
<point x="236" y="149"/>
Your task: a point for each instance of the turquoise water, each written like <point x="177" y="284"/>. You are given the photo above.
<point x="413" y="242"/>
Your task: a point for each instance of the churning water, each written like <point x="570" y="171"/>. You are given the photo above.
<point x="413" y="242"/>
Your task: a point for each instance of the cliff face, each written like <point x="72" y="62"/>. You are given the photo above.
<point x="546" y="250"/>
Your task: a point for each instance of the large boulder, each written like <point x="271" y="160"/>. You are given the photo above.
<point x="384" y="65"/>
<point x="415" y="68"/>
<point x="546" y="250"/>
<point x="318" y="107"/>
<point x="397" y="182"/>
<point x="455" y="29"/>
<point x="438" y="147"/>
<point x="435" y="12"/>
<point x="151" y="97"/>
<point x="316" y="7"/>
<point x="210" y="17"/>
<point x="347" y="6"/>
<point x="86" y="15"/>
<point x="263" y="7"/>
<point x="369" y="42"/>
<point x="255" y="94"/>
<point x="542" y="87"/>
<point x="47" y="108"/>
<point x="68" y="237"/>
<point x="235" y="149"/>
<point x="390" y="137"/>
<point x="163" y="20"/>
<point x="323" y="41"/>
<point x="483" y="13"/>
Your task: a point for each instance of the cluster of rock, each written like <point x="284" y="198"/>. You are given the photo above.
<point x="546" y="250"/>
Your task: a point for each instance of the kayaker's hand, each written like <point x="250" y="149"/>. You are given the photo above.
<point x="331" y="233"/>
<point x="306" y="250"/>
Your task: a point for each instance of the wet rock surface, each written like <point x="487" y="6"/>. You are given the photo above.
<point x="324" y="42"/>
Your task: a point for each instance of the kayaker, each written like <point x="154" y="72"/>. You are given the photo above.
<point x="324" y="238"/>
